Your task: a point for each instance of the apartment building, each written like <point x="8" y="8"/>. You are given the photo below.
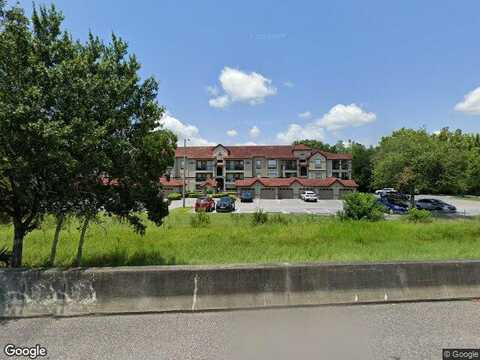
<point x="231" y="167"/>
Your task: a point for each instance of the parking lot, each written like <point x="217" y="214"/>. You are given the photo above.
<point x="465" y="206"/>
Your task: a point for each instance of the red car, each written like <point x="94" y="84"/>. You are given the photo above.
<point x="204" y="204"/>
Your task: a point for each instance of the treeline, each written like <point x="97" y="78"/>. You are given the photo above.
<point x="78" y="130"/>
<point x="414" y="161"/>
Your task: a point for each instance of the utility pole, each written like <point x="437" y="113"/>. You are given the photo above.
<point x="184" y="169"/>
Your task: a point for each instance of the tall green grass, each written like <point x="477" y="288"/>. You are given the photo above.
<point x="231" y="238"/>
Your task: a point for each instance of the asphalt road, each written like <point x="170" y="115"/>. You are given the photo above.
<point x="391" y="331"/>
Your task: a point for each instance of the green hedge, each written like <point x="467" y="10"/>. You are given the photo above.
<point x="174" y="196"/>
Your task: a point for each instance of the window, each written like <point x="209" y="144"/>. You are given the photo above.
<point x="303" y="171"/>
<point x="235" y="165"/>
<point x="204" y="165"/>
<point x="199" y="177"/>
<point x="345" y="164"/>
<point x="345" y="176"/>
<point x="258" y="164"/>
<point x="336" y="164"/>
<point x="232" y="177"/>
<point x="318" y="163"/>
<point x="182" y="163"/>
<point x="272" y="168"/>
<point x="290" y="165"/>
<point x="336" y="174"/>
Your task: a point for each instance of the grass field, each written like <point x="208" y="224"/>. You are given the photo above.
<point x="233" y="239"/>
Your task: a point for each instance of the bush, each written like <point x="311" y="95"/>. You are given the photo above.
<point x="4" y="219"/>
<point x="194" y="195"/>
<point x="361" y="206"/>
<point x="259" y="217"/>
<point x="220" y="195"/>
<point x="200" y="219"/>
<point x="174" y="196"/>
<point x="419" y="216"/>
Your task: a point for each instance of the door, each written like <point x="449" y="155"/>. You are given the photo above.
<point x="325" y="194"/>
<point x="267" y="193"/>
<point x="285" y="193"/>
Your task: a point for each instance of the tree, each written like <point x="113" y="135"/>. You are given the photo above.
<point x="315" y="144"/>
<point x="71" y="116"/>
<point x="362" y="166"/>
<point x="402" y="160"/>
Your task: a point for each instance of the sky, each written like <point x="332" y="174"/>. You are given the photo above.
<point x="271" y="72"/>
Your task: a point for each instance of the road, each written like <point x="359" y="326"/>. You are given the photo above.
<point x="389" y="331"/>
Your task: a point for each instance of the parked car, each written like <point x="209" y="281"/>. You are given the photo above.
<point x="246" y="196"/>
<point x="204" y="203"/>
<point x="385" y="191"/>
<point x="308" y="196"/>
<point x="393" y="207"/>
<point x="434" y="205"/>
<point x="225" y="204"/>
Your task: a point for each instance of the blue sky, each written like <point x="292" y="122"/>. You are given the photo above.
<point x="353" y="69"/>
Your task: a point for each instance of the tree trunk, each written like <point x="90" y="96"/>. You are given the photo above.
<point x="58" y="229"/>
<point x="82" y="240"/>
<point x="412" y="200"/>
<point x="18" y="236"/>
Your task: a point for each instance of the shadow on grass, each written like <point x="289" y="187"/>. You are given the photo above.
<point x="121" y="258"/>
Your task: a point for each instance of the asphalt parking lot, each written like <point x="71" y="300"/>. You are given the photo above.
<point x="465" y="206"/>
<point x="286" y="206"/>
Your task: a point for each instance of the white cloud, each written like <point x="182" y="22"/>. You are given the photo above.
<point x="183" y="131"/>
<point x="288" y="84"/>
<point x="213" y="90"/>
<point x="240" y="86"/>
<point x="254" y="132"/>
<point x="341" y="116"/>
<point x="297" y="132"/>
<point x="305" y="115"/>
<point x="219" y="102"/>
<point x="248" y="143"/>
<point x="470" y="103"/>
<point x="232" y="133"/>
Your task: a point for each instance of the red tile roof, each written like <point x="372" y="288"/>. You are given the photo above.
<point x="173" y="182"/>
<point x="332" y="156"/>
<point x="209" y="182"/>
<point x="245" y="152"/>
<point x="285" y="182"/>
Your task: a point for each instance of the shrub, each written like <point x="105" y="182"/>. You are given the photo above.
<point x="259" y="217"/>
<point x="194" y="195"/>
<point x="200" y="219"/>
<point x="220" y="195"/>
<point x="419" y="216"/>
<point x="361" y="206"/>
<point x="174" y="196"/>
<point x="4" y="219"/>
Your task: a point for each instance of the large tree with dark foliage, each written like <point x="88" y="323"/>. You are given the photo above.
<point x="78" y="127"/>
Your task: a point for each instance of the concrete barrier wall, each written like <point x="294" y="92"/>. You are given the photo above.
<point x="192" y="288"/>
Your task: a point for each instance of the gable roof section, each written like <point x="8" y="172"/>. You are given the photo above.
<point x="332" y="156"/>
<point x="173" y="182"/>
<point x="209" y="183"/>
<point x="245" y="152"/>
<point x="285" y="182"/>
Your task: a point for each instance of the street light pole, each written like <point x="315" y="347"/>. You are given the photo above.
<point x="184" y="169"/>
